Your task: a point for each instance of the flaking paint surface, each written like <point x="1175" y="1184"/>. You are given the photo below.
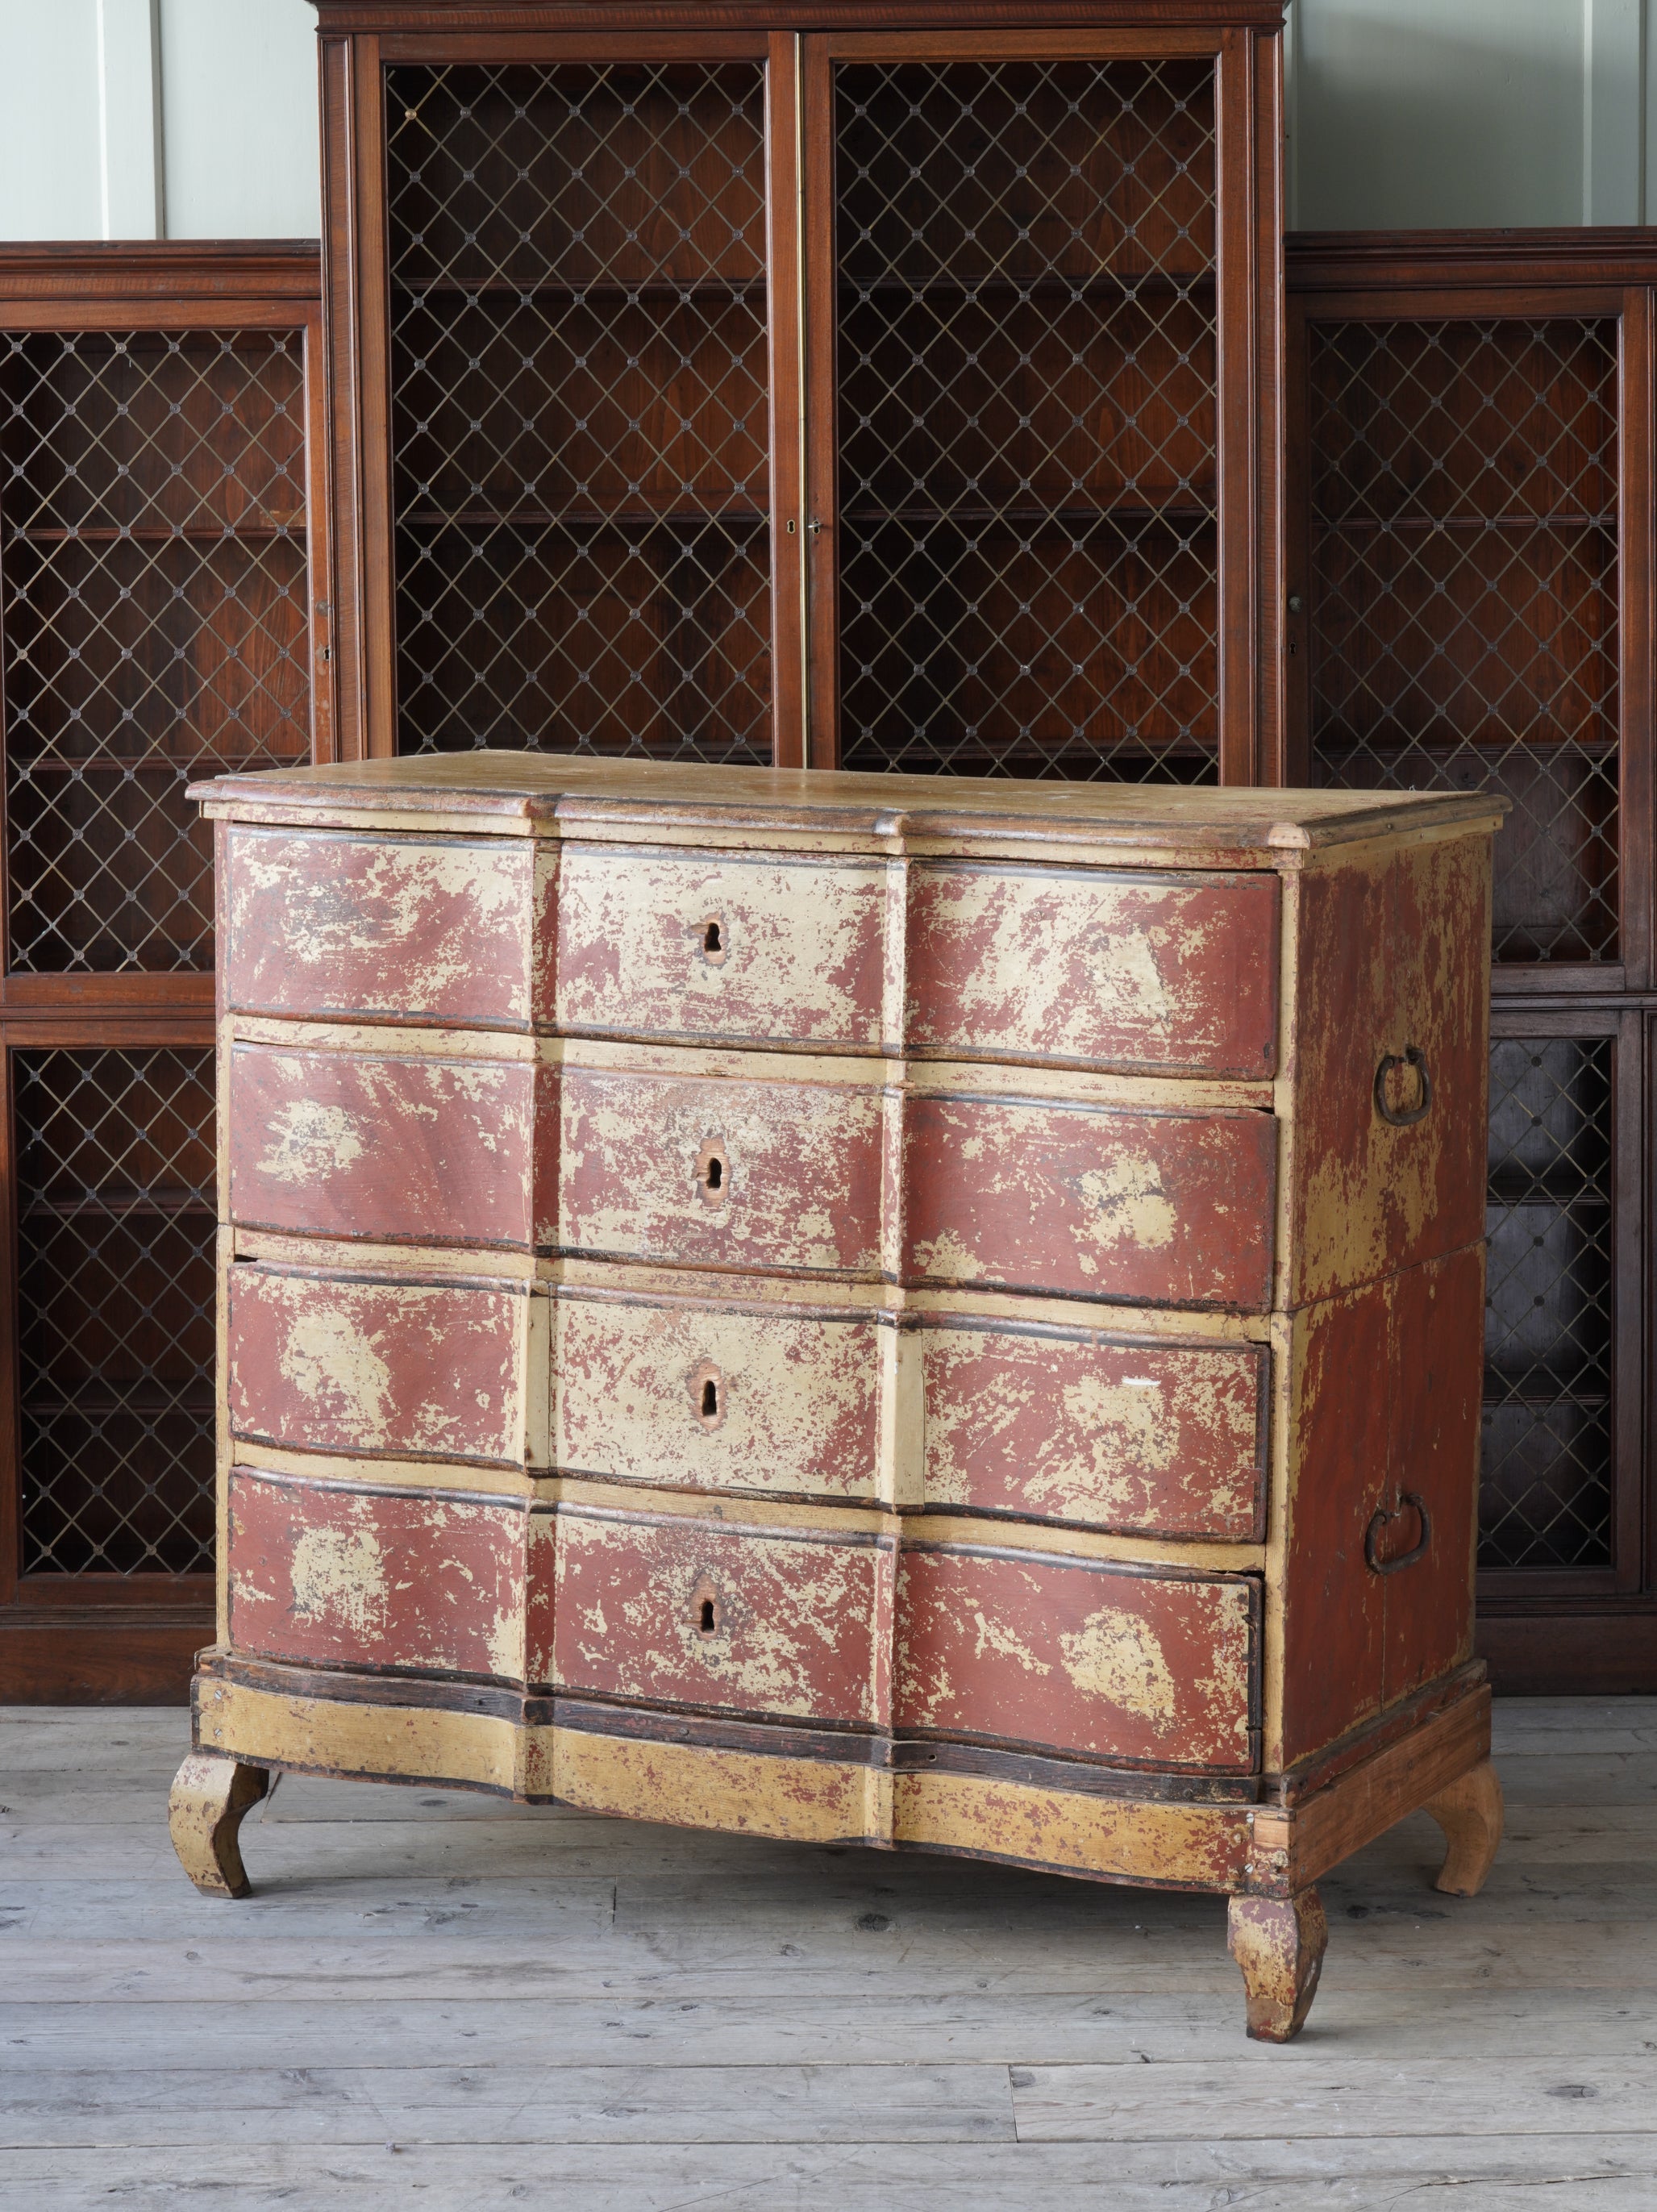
<point x="1087" y="1659"/>
<point x="795" y="1397"/>
<point x="425" y="1368"/>
<point x="348" y="1144"/>
<point x="328" y="1576"/>
<point x="1037" y="964"/>
<point x="1393" y="953"/>
<point x="800" y="1172"/>
<point x="794" y="1621"/>
<point x="1160" y="1438"/>
<point x="798" y="958"/>
<point x="333" y="924"/>
<point x="1170" y="1208"/>
<point x="1204" y="1845"/>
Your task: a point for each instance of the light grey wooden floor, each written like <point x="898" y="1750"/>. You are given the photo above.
<point x="436" y="2001"/>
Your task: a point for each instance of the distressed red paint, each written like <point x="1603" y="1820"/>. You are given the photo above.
<point x="328" y="1575"/>
<point x="435" y="929"/>
<point x="1068" y="1425"/>
<point x="692" y="1612"/>
<point x="316" y="1364"/>
<point x="720" y="945"/>
<point x="1083" y="965"/>
<point x="798" y="1171"/>
<point x="350" y="1144"/>
<point x="706" y="1397"/>
<point x="1104" y="1202"/>
<point x="1111" y="1661"/>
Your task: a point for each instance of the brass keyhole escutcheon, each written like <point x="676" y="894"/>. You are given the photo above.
<point x="707" y="1395"/>
<point x="713" y="1174"/>
<point x="713" y="939"/>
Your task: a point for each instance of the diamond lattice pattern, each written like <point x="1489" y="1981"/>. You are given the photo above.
<point x="153" y="609"/>
<point x="116" y="1221"/>
<point x="1546" y="1490"/>
<point x="1464" y="625"/>
<point x="580" y="409"/>
<point x="1026" y="310"/>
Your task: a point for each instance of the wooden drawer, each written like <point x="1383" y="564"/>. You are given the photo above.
<point x="702" y="1397"/>
<point x="1165" y="1440"/>
<point x="438" y="1370"/>
<point x="350" y="1144"/>
<point x="1155" y="1207"/>
<point x="332" y="1575"/>
<point x="700" y="1171"/>
<point x="690" y="1612"/>
<point x="1077" y="1655"/>
<point x="439" y="928"/>
<point x="1138" y="971"/>
<point x="713" y="946"/>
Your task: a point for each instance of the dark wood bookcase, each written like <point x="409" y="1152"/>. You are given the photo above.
<point x="164" y="611"/>
<point x="1470" y="570"/>
<point x="758" y="383"/>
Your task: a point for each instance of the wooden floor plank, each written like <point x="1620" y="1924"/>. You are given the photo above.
<point x="1563" y="2174"/>
<point x="543" y="2006"/>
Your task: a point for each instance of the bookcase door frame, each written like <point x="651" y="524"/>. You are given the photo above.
<point x="129" y="1637"/>
<point x="1559" y="1624"/>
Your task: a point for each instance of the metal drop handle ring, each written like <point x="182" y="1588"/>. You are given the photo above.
<point x="1380" y="1520"/>
<point x="1403" y="1117"/>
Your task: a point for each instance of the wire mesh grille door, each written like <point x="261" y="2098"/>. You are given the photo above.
<point x="1546" y="1491"/>
<point x="1463" y="628"/>
<point x="580" y="399"/>
<point x="153" y="587"/>
<point x="1027" y="377"/>
<point x="116" y="1217"/>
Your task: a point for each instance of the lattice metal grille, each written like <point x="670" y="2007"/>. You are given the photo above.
<point x="152" y="607"/>
<point x="1027" y="368"/>
<point x="116" y="1217"/>
<point x="1463" y="606"/>
<point x="579" y="408"/>
<point x="1546" y="1490"/>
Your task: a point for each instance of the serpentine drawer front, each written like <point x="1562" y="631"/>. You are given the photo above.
<point x="934" y="1313"/>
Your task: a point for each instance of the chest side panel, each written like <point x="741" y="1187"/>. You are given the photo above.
<point x="691" y="1611"/>
<point x="702" y="1397"/>
<point x="439" y="929"/>
<point x="428" y="1369"/>
<point x="715" y="946"/>
<point x="1072" y="1657"/>
<point x="1392" y="959"/>
<point x="1165" y="1439"/>
<point x="329" y="1575"/>
<point x="1437" y="1376"/>
<point x="1161" y="1208"/>
<point x="343" y="1144"/>
<point x="1162" y="972"/>
<point x="701" y="1172"/>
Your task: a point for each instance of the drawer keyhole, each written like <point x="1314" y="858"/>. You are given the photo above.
<point x="709" y="1621"/>
<point x="708" y="1396"/>
<point x="713" y="1174"/>
<point x="716" y="941"/>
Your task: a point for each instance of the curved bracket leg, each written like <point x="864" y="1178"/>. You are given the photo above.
<point x="1278" y="1942"/>
<point x="210" y="1794"/>
<point x="1470" y="1813"/>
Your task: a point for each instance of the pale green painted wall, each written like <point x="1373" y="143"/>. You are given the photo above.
<point x="1402" y="112"/>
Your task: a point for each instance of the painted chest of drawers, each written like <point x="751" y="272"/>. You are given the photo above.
<point x="936" y="1313"/>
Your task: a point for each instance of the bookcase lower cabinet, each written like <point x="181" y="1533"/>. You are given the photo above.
<point x="904" y="1310"/>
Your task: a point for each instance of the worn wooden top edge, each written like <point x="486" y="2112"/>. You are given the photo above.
<point x="541" y="787"/>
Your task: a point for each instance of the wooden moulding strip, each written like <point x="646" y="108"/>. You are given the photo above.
<point x="1294" y="1845"/>
<point x="1168" y="1844"/>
